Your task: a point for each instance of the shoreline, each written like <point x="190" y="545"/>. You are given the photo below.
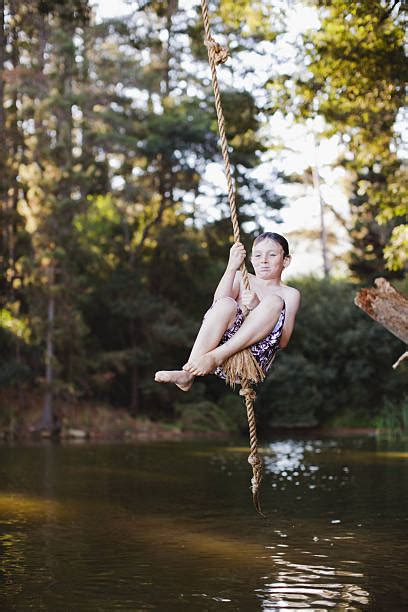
<point x="91" y="422"/>
<point x="147" y="431"/>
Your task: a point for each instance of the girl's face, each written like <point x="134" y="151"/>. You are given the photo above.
<point x="268" y="259"/>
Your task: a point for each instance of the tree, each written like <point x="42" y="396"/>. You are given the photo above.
<point x="355" y="79"/>
<point x="158" y="144"/>
<point x="50" y="185"/>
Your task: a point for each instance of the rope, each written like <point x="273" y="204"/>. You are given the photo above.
<point x="253" y="459"/>
<point x="217" y="54"/>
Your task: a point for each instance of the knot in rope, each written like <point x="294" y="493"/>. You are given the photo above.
<point x="248" y="393"/>
<point x="219" y="53"/>
<point x="255" y="460"/>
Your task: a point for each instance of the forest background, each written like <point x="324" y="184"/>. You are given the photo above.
<point x="113" y="237"/>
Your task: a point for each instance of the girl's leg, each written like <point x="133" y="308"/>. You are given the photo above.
<point x="216" y="321"/>
<point x="258" y="324"/>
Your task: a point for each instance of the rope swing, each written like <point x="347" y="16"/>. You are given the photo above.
<point x="242" y="366"/>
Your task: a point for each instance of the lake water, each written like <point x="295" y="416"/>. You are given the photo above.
<point x="170" y="526"/>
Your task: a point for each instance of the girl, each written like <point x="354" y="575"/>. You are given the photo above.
<point x="224" y="331"/>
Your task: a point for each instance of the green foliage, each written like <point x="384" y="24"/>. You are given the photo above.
<point x="202" y="416"/>
<point x="338" y="361"/>
<point x="14" y="373"/>
<point x="253" y="20"/>
<point x="396" y="253"/>
<point x="15" y="367"/>
<point x="108" y="259"/>
<point x="394" y="417"/>
<point x="355" y="79"/>
<point x="15" y="325"/>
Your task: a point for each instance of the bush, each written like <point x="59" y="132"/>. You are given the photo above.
<point x="394" y="417"/>
<point x="204" y="416"/>
<point x="338" y="360"/>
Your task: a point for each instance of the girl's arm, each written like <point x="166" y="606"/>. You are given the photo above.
<point x="292" y="303"/>
<point x="229" y="283"/>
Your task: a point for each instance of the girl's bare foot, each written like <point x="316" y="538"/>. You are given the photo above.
<point x="183" y="380"/>
<point x="200" y="366"/>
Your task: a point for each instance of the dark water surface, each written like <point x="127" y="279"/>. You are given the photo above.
<point x="170" y="526"/>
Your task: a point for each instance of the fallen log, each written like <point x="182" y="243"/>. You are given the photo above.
<point x="389" y="307"/>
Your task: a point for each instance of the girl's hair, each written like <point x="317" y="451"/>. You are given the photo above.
<point x="277" y="238"/>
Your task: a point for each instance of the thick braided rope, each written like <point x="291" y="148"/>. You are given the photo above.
<point x="217" y="55"/>
<point x="254" y="459"/>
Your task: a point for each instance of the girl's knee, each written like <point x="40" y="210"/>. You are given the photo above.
<point x="274" y="302"/>
<point x="226" y="303"/>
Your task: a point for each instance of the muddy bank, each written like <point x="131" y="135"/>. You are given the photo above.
<point x="21" y="414"/>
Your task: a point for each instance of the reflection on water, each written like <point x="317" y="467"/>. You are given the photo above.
<point x="311" y="585"/>
<point x="170" y="526"/>
<point x="297" y="584"/>
<point x="295" y="460"/>
<point x="287" y="457"/>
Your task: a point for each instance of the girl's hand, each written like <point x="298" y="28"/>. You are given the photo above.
<point x="250" y="299"/>
<point x="236" y="257"/>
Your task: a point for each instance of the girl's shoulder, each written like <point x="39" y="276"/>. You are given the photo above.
<point x="291" y="290"/>
<point x="292" y="295"/>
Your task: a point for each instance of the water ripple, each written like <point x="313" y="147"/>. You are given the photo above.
<point x="310" y="586"/>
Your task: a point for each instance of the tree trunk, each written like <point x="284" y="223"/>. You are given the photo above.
<point x="47" y="416"/>
<point x="134" y="380"/>
<point x="323" y="232"/>
<point x="3" y="140"/>
<point x="15" y="147"/>
<point x="2" y="61"/>
<point x="171" y="9"/>
<point x="135" y="397"/>
<point x="386" y="305"/>
<point x="40" y="130"/>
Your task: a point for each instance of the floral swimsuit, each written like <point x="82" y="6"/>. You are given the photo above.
<point x="264" y="350"/>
